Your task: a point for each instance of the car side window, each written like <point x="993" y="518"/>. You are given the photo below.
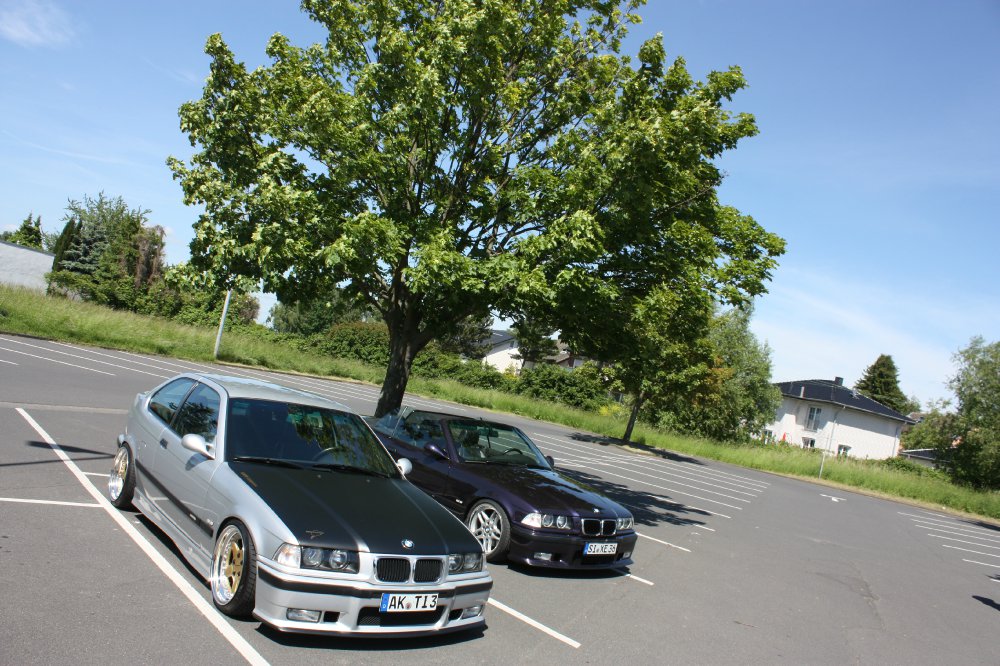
<point x="167" y="400"/>
<point x="418" y="431"/>
<point x="199" y="414"/>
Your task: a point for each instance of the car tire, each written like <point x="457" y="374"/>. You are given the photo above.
<point x="121" y="481"/>
<point x="488" y="522"/>
<point x="234" y="571"/>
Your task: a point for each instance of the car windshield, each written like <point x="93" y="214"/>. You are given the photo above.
<point x="495" y="443"/>
<point x="270" y="432"/>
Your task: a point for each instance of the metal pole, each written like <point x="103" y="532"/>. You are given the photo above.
<point x="222" y="323"/>
<point x="829" y="441"/>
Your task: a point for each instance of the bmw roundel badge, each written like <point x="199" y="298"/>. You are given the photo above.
<point x="407" y="543"/>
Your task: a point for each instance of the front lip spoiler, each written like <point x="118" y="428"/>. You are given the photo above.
<point x="348" y="591"/>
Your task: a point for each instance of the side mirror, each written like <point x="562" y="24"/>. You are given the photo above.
<point x="552" y="461"/>
<point x="436" y="450"/>
<point x="197" y="444"/>
<point x="404" y="466"/>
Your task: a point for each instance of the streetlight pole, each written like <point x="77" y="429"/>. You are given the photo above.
<point x="222" y="323"/>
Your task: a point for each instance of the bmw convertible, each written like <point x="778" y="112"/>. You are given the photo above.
<point x="493" y="477"/>
<point x="295" y="513"/>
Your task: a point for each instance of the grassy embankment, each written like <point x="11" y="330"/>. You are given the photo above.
<point x="30" y="313"/>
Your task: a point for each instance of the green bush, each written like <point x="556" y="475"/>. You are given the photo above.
<point x="581" y="388"/>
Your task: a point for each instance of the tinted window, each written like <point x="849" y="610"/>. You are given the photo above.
<point x="200" y="414"/>
<point x="420" y="429"/>
<point x="478" y="441"/>
<point x="165" y="402"/>
<point x="303" y="434"/>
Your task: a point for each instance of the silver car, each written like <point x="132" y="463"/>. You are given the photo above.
<point x="295" y="513"/>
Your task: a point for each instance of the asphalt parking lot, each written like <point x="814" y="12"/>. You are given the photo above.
<point x="732" y="565"/>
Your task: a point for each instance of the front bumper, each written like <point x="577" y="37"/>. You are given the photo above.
<point x="566" y="550"/>
<point x="351" y="608"/>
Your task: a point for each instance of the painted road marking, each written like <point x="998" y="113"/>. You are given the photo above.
<point x="835" y="499"/>
<point x="634" y="577"/>
<point x="969" y="543"/>
<point x="238" y="642"/>
<point x="665" y="543"/>
<point x="84" y="358"/>
<point x="968" y="534"/>
<point x="976" y="552"/>
<point x="38" y="501"/>
<point x="63" y="408"/>
<point x="52" y="360"/>
<point x="996" y="566"/>
<point x="10" y="362"/>
<point x="97" y="474"/>
<point x="534" y="623"/>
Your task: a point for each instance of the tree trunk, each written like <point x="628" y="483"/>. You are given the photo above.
<point x="636" y="406"/>
<point x="402" y="351"/>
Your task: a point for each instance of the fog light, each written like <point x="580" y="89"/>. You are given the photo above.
<point x="302" y="615"/>
<point x="627" y="553"/>
<point x="543" y="556"/>
<point x="472" y="611"/>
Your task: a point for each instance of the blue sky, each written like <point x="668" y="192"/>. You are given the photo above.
<point x="878" y="157"/>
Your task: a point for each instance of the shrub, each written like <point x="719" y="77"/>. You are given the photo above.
<point x="582" y="388"/>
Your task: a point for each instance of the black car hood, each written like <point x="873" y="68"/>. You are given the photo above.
<point x="334" y="509"/>
<point x="545" y="489"/>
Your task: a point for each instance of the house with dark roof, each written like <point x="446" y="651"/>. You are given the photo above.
<point x="502" y="353"/>
<point x="823" y="414"/>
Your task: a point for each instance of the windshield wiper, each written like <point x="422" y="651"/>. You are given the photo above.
<point x="277" y="462"/>
<point x="340" y="467"/>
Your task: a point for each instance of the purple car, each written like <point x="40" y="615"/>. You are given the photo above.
<point x="514" y="502"/>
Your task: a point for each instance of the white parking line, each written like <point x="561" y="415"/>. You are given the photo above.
<point x="944" y="545"/>
<point x="969" y="534"/>
<point x="634" y="577"/>
<point x="534" y="623"/>
<point x="10" y="362"/>
<point x="970" y="543"/>
<point x="84" y="358"/>
<point x="228" y="632"/>
<point x="72" y="365"/>
<point x="665" y="543"/>
<point x="996" y="566"/>
<point x="55" y="502"/>
<point x="97" y="474"/>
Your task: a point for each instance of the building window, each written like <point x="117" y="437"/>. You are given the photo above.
<point x="843" y="450"/>
<point x="812" y="422"/>
<point x="768" y="437"/>
<point x="808" y="443"/>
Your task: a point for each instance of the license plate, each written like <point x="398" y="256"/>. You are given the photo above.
<point x="600" y="549"/>
<point x="407" y="603"/>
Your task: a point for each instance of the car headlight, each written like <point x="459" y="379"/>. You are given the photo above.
<point x="465" y="562"/>
<point x="625" y="523"/>
<point x="547" y="520"/>
<point x="323" y="559"/>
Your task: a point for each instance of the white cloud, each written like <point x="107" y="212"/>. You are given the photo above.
<point x="822" y="327"/>
<point x="35" y="23"/>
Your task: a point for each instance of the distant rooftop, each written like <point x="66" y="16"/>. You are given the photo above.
<point x="824" y="390"/>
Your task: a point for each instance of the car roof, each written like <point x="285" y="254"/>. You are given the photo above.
<point x="257" y="389"/>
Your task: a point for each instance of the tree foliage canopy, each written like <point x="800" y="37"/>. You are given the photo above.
<point x="29" y="234"/>
<point x="445" y="159"/>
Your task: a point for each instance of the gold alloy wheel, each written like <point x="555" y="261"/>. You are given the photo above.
<point x="119" y="470"/>
<point x="227" y="570"/>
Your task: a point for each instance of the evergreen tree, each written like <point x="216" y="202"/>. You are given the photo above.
<point x="29" y="234"/>
<point x="880" y="382"/>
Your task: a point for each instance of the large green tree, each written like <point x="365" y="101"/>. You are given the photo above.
<point x="442" y="159"/>
<point x="880" y="382"/>
<point x="976" y="459"/>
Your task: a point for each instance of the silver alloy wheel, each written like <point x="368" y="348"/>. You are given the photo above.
<point x="227" y="565"/>
<point x="486" y="525"/>
<point x="119" y="470"/>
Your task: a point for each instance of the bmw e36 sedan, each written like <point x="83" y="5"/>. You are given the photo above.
<point x="493" y="477"/>
<point x="294" y="512"/>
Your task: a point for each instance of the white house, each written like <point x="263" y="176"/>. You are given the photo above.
<point x="821" y="414"/>
<point x="502" y="352"/>
<point x="24" y="266"/>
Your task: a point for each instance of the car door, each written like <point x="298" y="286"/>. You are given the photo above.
<point x="431" y="471"/>
<point x="186" y="475"/>
<point x="150" y="422"/>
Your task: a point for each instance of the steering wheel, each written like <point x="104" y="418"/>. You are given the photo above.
<point x="516" y="452"/>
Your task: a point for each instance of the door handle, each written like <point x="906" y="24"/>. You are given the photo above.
<point x="163" y="443"/>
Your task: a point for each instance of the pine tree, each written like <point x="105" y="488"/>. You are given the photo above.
<point x="880" y="382"/>
<point x="29" y="234"/>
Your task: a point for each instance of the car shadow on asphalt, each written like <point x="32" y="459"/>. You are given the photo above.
<point x="646" y="508"/>
<point x="614" y="441"/>
<point x="984" y="525"/>
<point x="374" y="644"/>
